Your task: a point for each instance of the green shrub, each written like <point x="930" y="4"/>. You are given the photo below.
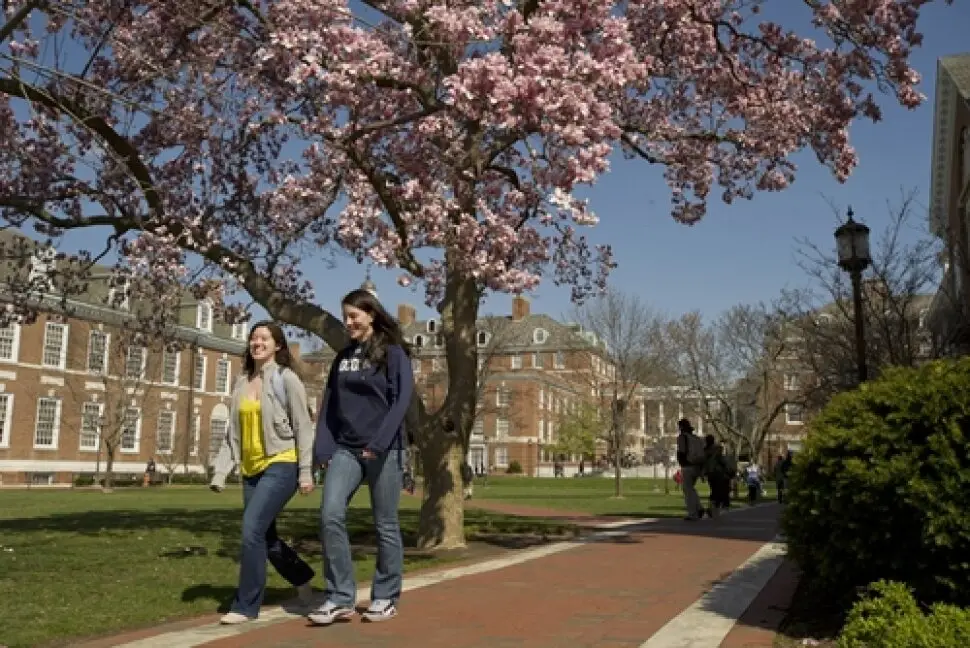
<point x="889" y="617"/>
<point x="515" y="468"/>
<point x="880" y="489"/>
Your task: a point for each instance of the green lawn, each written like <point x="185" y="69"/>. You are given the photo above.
<point x="78" y="563"/>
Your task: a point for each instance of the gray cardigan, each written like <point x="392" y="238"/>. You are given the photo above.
<point x="285" y="425"/>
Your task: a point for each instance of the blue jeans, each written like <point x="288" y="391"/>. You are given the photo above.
<point x="264" y="496"/>
<point x="345" y="473"/>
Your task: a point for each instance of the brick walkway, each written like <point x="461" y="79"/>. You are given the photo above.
<point x="612" y="593"/>
<point x="579" y="518"/>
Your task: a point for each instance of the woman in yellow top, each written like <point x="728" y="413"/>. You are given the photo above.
<point x="270" y="440"/>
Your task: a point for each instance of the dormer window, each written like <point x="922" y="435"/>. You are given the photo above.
<point x="118" y="293"/>
<point x="239" y="331"/>
<point x="539" y="336"/>
<point x="203" y="316"/>
<point x="432" y="326"/>
<point x="439" y="340"/>
<point x="41" y="268"/>
<point x="922" y="317"/>
<point x="483" y="338"/>
<point x="418" y="341"/>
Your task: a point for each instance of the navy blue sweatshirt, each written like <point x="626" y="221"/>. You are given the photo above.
<point x="363" y="405"/>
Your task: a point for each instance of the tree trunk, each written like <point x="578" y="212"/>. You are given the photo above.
<point x="442" y="520"/>
<point x="109" y="464"/>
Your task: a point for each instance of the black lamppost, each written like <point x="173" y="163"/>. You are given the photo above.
<point x="852" y="243"/>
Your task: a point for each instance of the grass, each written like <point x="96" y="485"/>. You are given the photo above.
<point x="82" y="563"/>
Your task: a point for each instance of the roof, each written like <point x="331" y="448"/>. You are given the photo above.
<point x="957" y="67"/>
<point x="952" y="86"/>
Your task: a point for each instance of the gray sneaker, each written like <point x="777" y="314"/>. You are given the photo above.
<point x="329" y="613"/>
<point x="380" y="610"/>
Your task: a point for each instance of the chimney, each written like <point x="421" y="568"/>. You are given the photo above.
<point x="520" y="308"/>
<point x="406" y="314"/>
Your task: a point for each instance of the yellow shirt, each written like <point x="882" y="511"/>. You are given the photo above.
<point x="254" y="459"/>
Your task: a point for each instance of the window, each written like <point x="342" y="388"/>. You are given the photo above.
<point x="542" y="398"/>
<point x="794" y="414"/>
<point x="135" y="362"/>
<point x="791" y="382"/>
<point x="439" y="340"/>
<point x="416" y="365"/>
<point x="55" y="345"/>
<point x="41" y="269"/>
<point x="203" y="316"/>
<point x="118" y="294"/>
<point x="10" y="343"/>
<point x="217" y="435"/>
<point x="922" y="317"/>
<point x="91" y="414"/>
<point x="516" y="361"/>
<point x="131" y="430"/>
<point x="6" y="415"/>
<point x="48" y="423"/>
<point x="539" y="336"/>
<point x="98" y="352"/>
<point x="165" y="432"/>
<point x="418" y="341"/>
<point x="501" y="457"/>
<point x="198" y="379"/>
<point x="560" y="361"/>
<point x="537" y="360"/>
<point x="501" y="427"/>
<point x="222" y="376"/>
<point x="503" y="397"/>
<point x="478" y="428"/>
<point x="481" y="364"/>
<point x="239" y="331"/>
<point x="171" y="359"/>
<point x="483" y="338"/>
<point x="432" y="326"/>
<point x="542" y="429"/>
<point x="195" y="433"/>
<point x="435" y="365"/>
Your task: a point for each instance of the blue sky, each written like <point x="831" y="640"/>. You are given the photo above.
<point x="743" y="252"/>
<point x="738" y="253"/>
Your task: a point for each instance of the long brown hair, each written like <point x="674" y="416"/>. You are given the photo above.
<point x="283" y="357"/>
<point x="387" y="331"/>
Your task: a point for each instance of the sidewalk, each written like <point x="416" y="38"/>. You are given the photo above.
<point x="662" y="584"/>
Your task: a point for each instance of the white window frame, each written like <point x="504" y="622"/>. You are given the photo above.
<point x="7" y="419"/>
<point x="501" y="427"/>
<point x="213" y="448"/>
<point x="482" y="338"/>
<point x="196" y="435"/>
<point x="14" y="343"/>
<point x="431" y="326"/>
<point x="204" y="323"/>
<point x="559" y="360"/>
<point x="42" y="261"/>
<point x="98" y="423"/>
<point x="142" y="366"/>
<point x="516" y="361"/>
<point x="125" y="288"/>
<point x="502" y="457"/>
<point x="199" y="385"/>
<point x="171" y="432"/>
<point x="62" y="357"/>
<point x="418" y="341"/>
<point x="121" y="437"/>
<point x="788" y="419"/>
<point x="105" y="370"/>
<point x="791" y="381"/>
<point x="239" y="331"/>
<point x="416" y="365"/>
<point x="55" y="426"/>
<point x="503" y="397"/>
<point x="478" y="427"/>
<point x="166" y="354"/>
<point x="540" y="336"/>
<point x="537" y="361"/>
<point x="226" y="388"/>
<point x="435" y="365"/>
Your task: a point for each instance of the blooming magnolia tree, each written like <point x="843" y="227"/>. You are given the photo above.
<point x="444" y="140"/>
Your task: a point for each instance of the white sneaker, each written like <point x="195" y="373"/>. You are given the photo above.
<point x="329" y="613"/>
<point x="304" y="593"/>
<point x="380" y="610"/>
<point x="234" y="618"/>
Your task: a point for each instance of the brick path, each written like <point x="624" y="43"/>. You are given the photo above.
<point x="579" y="518"/>
<point x="608" y="594"/>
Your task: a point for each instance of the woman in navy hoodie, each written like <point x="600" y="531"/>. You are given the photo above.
<point x="360" y="436"/>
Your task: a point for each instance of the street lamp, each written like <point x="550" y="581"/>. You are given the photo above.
<point x="852" y="243"/>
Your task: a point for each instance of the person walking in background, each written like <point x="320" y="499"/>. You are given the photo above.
<point x="754" y="480"/>
<point x="270" y="440"/>
<point x="782" y="468"/>
<point x="690" y="456"/>
<point x="718" y="474"/>
<point x="360" y="436"/>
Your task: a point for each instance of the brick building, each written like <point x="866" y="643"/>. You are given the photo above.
<point x="78" y="370"/>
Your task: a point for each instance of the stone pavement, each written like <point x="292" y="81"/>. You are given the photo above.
<point x="660" y="584"/>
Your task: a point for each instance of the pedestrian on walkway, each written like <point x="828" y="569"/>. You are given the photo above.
<point x="270" y="440"/>
<point x="359" y="436"/>
<point x="718" y="475"/>
<point x="690" y="456"/>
